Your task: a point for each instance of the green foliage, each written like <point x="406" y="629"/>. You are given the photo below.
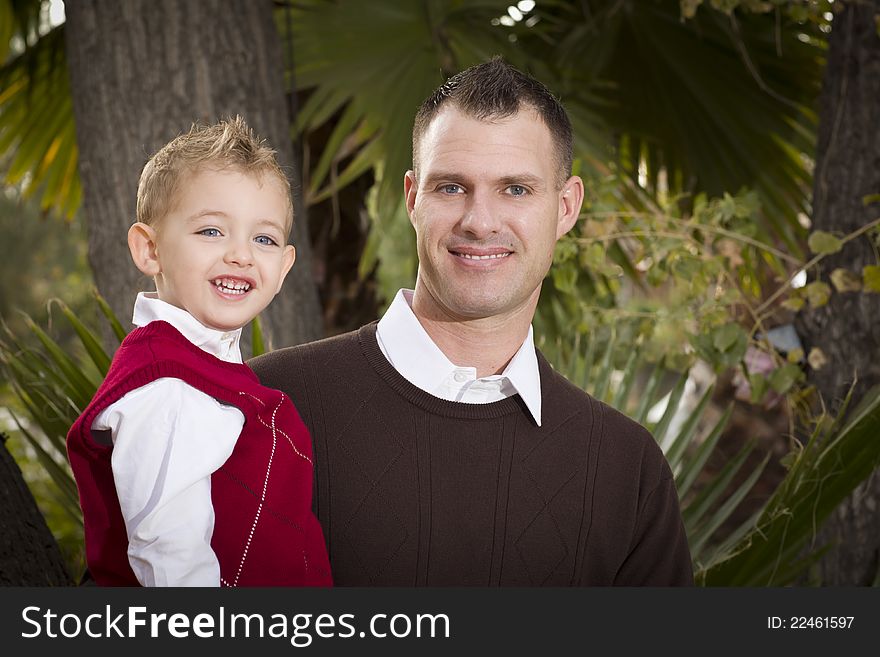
<point x="684" y="286"/>
<point x="774" y="546"/>
<point x="871" y="277"/>
<point x="824" y="243"/>
<point x="367" y="72"/>
<point x="42" y="258"/>
<point x="780" y="546"/>
<point x="53" y="386"/>
<point x="724" y="103"/>
<point x="37" y="134"/>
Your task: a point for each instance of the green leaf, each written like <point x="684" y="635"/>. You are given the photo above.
<point x="818" y="293"/>
<point x="694" y="513"/>
<point x="705" y="532"/>
<point x="91" y="343"/>
<point x="80" y="387"/>
<point x="758" y="383"/>
<point x="689" y="7"/>
<point x="845" y="281"/>
<point x="783" y="378"/>
<point x="60" y="475"/>
<point x="824" y="473"/>
<point x="693" y="466"/>
<point x="565" y="278"/>
<point x="824" y="243"/>
<point x="257" y="346"/>
<point x="794" y="303"/>
<point x="726" y="336"/>
<point x="108" y="313"/>
<point x="672" y="406"/>
<point x="871" y="278"/>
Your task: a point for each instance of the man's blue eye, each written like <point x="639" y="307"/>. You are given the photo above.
<point x="265" y="239"/>
<point x="451" y="189"/>
<point x="517" y="190"/>
<point x="210" y="232"/>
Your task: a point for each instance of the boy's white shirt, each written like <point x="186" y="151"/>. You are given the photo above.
<point x="168" y="439"/>
<point x="412" y="352"/>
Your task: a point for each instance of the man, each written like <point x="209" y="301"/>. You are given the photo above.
<point x="447" y="450"/>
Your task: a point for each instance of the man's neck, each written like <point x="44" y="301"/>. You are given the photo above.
<point x="487" y="343"/>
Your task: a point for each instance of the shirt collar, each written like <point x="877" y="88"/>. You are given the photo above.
<point x="222" y="344"/>
<point x="414" y="355"/>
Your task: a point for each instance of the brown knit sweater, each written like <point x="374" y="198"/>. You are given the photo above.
<point x="413" y="490"/>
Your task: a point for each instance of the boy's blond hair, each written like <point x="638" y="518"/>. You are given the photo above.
<point x="228" y="144"/>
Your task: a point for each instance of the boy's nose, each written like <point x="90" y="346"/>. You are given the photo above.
<point x="239" y="253"/>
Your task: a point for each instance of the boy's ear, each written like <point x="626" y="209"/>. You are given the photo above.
<point x="142" y="245"/>
<point x="287" y="260"/>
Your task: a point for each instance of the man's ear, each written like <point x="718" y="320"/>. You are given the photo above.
<point x="410" y="190"/>
<point x="570" y="201"/>
<point x="287" y="260"/>
<point x="142" y="245"/>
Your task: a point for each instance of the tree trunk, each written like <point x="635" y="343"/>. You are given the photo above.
<point x="29" y="555"/>
<point x="847" y="329"/>
<point x="141" y="72"/>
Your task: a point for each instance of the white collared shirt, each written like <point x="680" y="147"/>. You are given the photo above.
<point x="168" y="438"/>
<point x="409" y="348"/>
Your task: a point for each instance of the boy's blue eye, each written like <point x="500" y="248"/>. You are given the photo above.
<point x="265" y="239"/>
<point x="210" y="232"/>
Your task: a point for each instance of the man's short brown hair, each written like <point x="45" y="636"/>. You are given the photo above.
<point x="497" y="90"/>
<point x="227" y="144"/>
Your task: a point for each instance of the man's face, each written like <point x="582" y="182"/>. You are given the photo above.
<point x="487" y="210"/>
<point x="221" y="251"/>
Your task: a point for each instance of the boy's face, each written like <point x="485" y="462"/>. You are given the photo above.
<point x="221" y="251"/>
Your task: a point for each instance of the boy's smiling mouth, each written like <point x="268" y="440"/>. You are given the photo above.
<point x="232" y="286"/>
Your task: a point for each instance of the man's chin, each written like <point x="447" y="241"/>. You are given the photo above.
<point x="477" y="306"/>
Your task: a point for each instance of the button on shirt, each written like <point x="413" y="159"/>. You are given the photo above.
<point x="409" y="348"/>
<point x="168" y="438"/>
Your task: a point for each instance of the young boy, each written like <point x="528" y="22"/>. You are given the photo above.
<point x="190" y="473"/>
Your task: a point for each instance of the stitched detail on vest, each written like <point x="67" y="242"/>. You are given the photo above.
<point x="281" y="431"/>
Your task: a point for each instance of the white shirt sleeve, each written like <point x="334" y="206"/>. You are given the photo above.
<point x="168" y="439"/>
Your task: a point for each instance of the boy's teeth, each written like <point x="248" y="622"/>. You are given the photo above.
<point x="231" y="286"/>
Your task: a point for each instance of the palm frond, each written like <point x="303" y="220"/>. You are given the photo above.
<point x="53" y="388"/>
<point x="36" y="124"/>
<point x="825" y="471"/>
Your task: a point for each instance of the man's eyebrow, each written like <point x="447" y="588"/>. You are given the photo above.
<point x="510" y="179"/>
<point x="522" y="179"/>
<point x="443" y="176"/>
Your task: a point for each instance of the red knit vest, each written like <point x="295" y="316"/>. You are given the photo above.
<point x="264" y="531"/>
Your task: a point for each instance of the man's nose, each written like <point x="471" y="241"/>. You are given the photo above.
<point x="239" y="252"/>
<point x="481" y="218"/>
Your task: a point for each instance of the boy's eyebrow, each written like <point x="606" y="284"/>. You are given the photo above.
<point x="219" y="213"/>
<point x="271" y="222"/>
<point x="206" y="212"/>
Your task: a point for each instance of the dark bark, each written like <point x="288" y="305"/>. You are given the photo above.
<point x="29" y="555"/>
<point x="847" y="330"/>
<point x="141" y="72"/>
